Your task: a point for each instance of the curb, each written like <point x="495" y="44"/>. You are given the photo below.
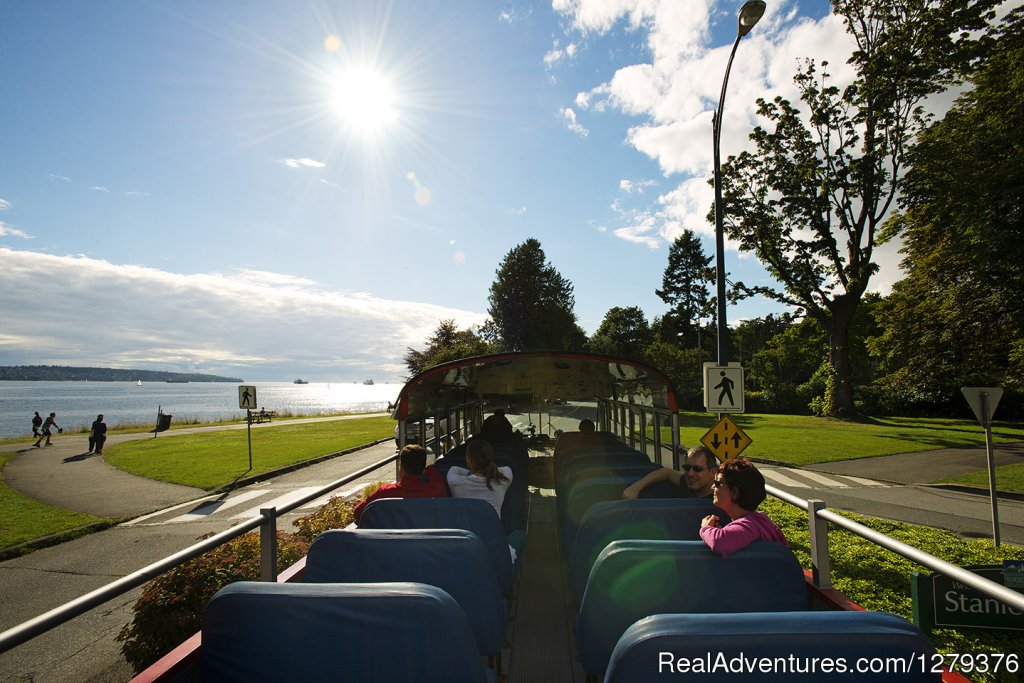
<point x="1008" y="495"/>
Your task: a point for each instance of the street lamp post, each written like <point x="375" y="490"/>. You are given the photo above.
<point x="749" y="15"/>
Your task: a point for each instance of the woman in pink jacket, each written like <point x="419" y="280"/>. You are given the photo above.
<point x="739" y="489"/>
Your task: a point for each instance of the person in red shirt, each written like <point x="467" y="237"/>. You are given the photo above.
<point x="415" y="480"/>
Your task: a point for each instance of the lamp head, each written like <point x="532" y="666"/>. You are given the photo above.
<point x="750" y="14"/>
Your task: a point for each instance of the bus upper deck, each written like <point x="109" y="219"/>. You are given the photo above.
<point x="612" y="589"/>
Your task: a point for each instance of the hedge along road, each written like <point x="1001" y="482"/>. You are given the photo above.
<point x="85" y="648"/>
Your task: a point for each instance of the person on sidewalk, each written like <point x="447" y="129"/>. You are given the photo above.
<point x="47" y="429"/>
<point x="97" y="435"/>
<point x="37" y="422"/>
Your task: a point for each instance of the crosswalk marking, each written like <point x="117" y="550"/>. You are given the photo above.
<point x="865" y="482"/>
<point x="339" y="494"/>
<point x="151" y="515"/>
<point x="782" y="479"/>
<point x="278" y="502"/>
<point x="822" y="479"/>
<point x="217" y="506"/>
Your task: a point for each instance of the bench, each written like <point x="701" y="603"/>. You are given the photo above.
<point x="261" y="416"/>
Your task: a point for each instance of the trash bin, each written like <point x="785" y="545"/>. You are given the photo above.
<point x="163" y="422"/>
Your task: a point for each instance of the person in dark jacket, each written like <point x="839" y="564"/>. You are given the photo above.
<point x="97" y="435"/>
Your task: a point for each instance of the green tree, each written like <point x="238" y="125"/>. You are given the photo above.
<point x="623" y="332"/>
<point x="958" y="317"/>
<point x="447" y="343"/>
<point x="531" y="304"/>
<point x="684" y="286"/>
<point x="811" y="198"/>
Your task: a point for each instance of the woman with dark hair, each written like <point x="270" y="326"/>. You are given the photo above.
<point x="484" y="479"/>
<point x="739" y="489"/>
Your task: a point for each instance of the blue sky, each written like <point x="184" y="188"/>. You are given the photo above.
<point x="184" y="186"/>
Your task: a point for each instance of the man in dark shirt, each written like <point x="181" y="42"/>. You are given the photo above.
<point x="696" y="478"/>
<point x="37" y="422"/>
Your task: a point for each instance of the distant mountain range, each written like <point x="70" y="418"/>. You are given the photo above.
<point x="60" y="373"/>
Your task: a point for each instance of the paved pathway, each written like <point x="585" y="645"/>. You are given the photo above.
<point x="64" y="475"/>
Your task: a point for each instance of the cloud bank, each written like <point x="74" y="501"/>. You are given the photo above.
<point x="250" y="324"/>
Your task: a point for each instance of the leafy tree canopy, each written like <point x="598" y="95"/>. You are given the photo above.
<point x="623" y="332"/>
<point x="531" y="304"/>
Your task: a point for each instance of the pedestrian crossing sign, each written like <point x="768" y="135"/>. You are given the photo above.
<point x="247" y="397"/>
<point x="723" y="388"/>
<point x="726" y="440"/>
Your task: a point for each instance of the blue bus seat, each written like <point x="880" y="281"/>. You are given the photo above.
<point x="470" y="514"/>
<point x="581" y="471"/>
<point x="581" y="496"/>
<point x="832" y="636"/>
<point x="667" y="519"/>
<point x="255" y="631"/>
<point x="567" y="442"/>
<point x="454" y="560"/>
<point x="638" y="578"/>
<point x="571" y="470"/>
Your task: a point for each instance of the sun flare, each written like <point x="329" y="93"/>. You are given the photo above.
<point x="364" y="99"/>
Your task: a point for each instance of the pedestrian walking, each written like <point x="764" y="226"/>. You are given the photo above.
<point x="47" y="430"/>
<point x="37" y="422"/>
<point x="97" y="435"/>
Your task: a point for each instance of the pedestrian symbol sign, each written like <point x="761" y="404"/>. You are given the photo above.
<point x="723" y="388"/>
<point x="247" y="397"/>
<point x="726" y="440"/>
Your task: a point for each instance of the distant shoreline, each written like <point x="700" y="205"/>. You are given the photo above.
<point x="61" y="373"/>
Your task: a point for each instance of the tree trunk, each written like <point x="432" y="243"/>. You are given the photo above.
<point x="839" y="392"/>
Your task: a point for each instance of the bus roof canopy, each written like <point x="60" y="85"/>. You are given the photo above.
<point x="533" y="377"/>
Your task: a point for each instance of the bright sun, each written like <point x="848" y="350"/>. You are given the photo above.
<point x="364" y="99"/>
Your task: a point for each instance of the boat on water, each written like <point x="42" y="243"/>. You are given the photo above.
<point x="139" y="383"/>
<point x="368" y="382"/>
<point x="300" y="381"/>
<point x="175" y="380"/>
<point x="589" y="561"/>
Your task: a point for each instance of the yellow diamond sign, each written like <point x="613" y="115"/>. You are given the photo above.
<point x="726" y="440"/>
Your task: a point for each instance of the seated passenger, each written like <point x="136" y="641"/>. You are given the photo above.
<point x="586" y="426"/>
<point x="483" y="479"/>
<point x="698" y="474"/>
<point x="415" y="480"/>
<point x="739" y="489"/>
<point x="486" y="481"/>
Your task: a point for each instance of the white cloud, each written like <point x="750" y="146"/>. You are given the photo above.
<point x="304" y="162"/>
<point x="244" y="323"/>
<point x="98" y="188"/>
<point x="7" y="230"/>
<point x="136" y="193"/>
<point x="569" y="116"/>
<point x="4" y="204"/>
<point x="63" y="178"/>
<point x="629" y="186"/>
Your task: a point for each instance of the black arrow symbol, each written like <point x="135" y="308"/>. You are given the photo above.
<point x="736" y="440"/>
<point x="715" y="442"/>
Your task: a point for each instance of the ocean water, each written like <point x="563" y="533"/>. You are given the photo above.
<point x="78" y="403"/>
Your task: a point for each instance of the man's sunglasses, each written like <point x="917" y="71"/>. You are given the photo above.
<point x="696" y="468"/>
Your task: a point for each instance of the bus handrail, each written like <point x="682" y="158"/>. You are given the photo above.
<point x="819" y="545"/>
<point x="266" y="520"/>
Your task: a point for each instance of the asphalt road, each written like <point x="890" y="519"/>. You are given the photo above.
<point x="162" y="519"/>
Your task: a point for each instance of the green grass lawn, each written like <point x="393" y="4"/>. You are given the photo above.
<point x="805" y="440"/>
<point x="25" y="519"/>
<point x="1008" y="478"/>
<point x="210" y="459"/>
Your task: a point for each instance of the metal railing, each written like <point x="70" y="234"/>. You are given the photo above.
<point x="818" y="519"/>
<point x="266" y="522"/>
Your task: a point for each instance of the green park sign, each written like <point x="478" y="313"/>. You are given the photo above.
<point x="943" y="602"/>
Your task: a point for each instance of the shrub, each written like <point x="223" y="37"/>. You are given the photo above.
<point x="170" y="608"/>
